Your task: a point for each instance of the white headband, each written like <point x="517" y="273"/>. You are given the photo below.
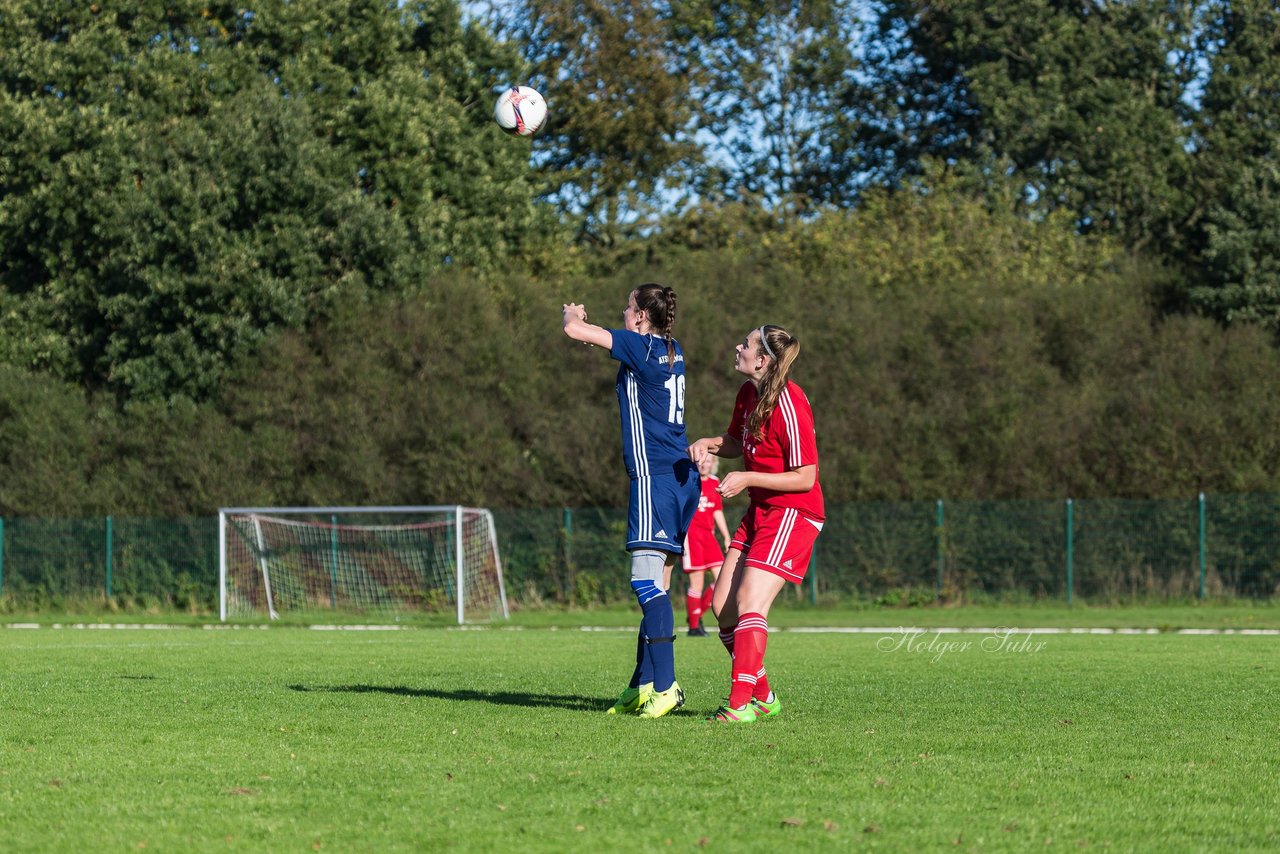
<point x="765" y="344"/>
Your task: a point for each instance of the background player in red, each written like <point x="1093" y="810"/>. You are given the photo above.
<point x="772" y="430"/>
<point x="702" y="553"/>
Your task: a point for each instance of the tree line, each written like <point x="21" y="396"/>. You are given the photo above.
<point x="1153" y="122"/>
<point x="279" y="253"/>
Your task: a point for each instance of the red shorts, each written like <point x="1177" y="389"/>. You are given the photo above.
<point x="702" y="551"/>
<point x="777" y="540"/>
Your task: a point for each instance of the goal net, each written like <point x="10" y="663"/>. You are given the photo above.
<point x="375" y="560"/>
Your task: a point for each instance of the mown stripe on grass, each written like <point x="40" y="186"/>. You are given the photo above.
<point x="1047" y="630"/>
<point x="858" y="630"/>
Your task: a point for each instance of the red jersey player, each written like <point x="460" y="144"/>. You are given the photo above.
<point x="772" y="430"/>
<point x="702" y="553"/>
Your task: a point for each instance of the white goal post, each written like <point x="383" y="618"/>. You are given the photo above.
<point x="379" y="560"/>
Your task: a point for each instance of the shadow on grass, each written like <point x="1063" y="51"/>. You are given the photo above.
<point x="497" y="698"/>
<point x="500" y="698"/>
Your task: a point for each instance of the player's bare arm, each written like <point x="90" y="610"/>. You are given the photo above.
<point x="723" y="527"/>
<point x="576" y="327"/>
<point x="800" y="479"/>
<point x="725" y="447"/>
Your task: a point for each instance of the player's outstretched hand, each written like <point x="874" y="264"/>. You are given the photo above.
<point x="733" y="483"/>
<point x="700" y="450"/>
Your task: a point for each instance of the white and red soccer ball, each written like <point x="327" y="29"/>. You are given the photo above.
<point x="520" y="111"/>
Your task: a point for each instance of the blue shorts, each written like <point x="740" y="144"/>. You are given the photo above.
<point x="661" y="509"/>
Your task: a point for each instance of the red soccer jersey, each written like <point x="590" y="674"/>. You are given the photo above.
<point x="787" y="441"/>
<point x="702" y="549"/>
<point x="708" y="504"/>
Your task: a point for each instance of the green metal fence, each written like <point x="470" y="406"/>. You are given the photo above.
<point x="1100" y="550"/>
<point x="130" y="561"/>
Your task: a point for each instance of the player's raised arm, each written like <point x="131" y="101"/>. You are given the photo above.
<point x="576" y="327"/>
<point x="664" y="492"/>
<point x="726" y="447"/>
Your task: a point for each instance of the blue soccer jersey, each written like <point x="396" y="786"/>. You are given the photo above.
<point x="664" y="481"/>
<point x="651" y="403"/>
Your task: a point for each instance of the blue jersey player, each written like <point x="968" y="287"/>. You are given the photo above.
<point x="664" y="482"/>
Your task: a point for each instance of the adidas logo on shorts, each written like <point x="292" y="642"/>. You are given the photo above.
<point x="661" y="535"/>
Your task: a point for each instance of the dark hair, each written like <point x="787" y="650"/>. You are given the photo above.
<point x="782" y="348"/>
<point x="658" y="302"/>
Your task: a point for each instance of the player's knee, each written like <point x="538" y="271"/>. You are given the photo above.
<point x="648" y="565"/>
<point x="647" y="575"/>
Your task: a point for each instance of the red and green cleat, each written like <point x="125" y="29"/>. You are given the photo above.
<point x="631" y="699"/>
<point x="767" y="708"/>
<point x="727" y="714"/>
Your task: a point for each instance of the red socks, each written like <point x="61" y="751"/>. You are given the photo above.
<point x="696" y="606"/>
<point x="747" y="648"/>
<point x="726" y="638"/>
<point x="693" y="608"/>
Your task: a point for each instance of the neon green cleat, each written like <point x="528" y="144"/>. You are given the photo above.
<point x="631" y="699"/>
<point x="766" y="709"/>
<point x="726" y="714"/>
<point x="662" y="702"/>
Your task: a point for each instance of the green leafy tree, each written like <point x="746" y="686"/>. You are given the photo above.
<point x="772" y="83"/>
<point x="404" y="91"/>
<point x="177" y="180"/>
<point x="1240" y="167"/>
<point x="617" y="146"/>
<point x="46" y="439"/>
<point x="1088" y="102"/>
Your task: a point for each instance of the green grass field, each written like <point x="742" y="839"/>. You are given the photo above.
<point x="290" y="739"/>
<point x="1229" y="613"/>
<point x="1240" y="614"/>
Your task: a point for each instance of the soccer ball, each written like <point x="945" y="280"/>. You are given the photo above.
<point x="520" y="111"/>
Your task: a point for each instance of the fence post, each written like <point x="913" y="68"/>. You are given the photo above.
<point x="333" y="561"/>
<point x="1070" y="551"/>
<point x="567" y="590"/>
<point x="937" y="595"/>
<point x="1203" y="547"/>
<point x="1" y="554"/>
<point x="109" y="558"/>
